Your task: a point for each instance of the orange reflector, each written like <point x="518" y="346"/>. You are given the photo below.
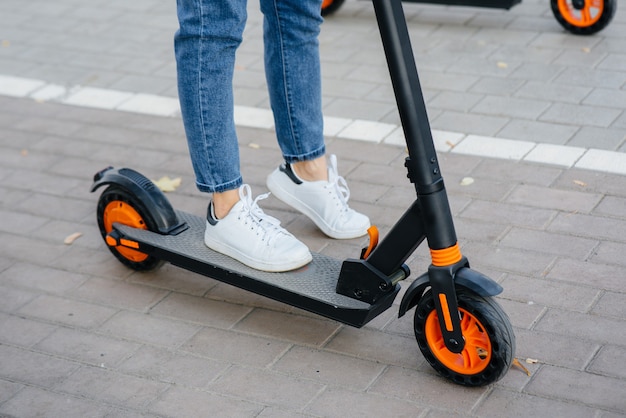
<point x="111" y="242"/>
<point x="446" y="311"/>
<point x="373" y="234"/>
<point x="447" y="256"/>
<point x="129" y="243"/>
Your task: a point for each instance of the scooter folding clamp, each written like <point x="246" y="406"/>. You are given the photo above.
<point x="360" y="280"/>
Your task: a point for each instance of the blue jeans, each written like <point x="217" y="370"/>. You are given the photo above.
<point x="205" y="44"/>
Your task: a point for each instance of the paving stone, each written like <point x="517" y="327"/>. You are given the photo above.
<point x="593" y="115"/>
<point x="328" y="368"/>
<point x="535" y="131"/>
<point x="111" y="387"/>
<point x="612" y="206"/>
<point x="564" y="200"/>
<point x="539" y="175"/>
<point x="550" y="243"/>
<point x="268" y="388"/>
<point x="592" y="180"/>
<point x="173" y="367"/>
<point x="182" y="401"/>
<point x="153" y="330"/>
<point x="611" y="304"/>
<point x="32" y="401"/>
<point x="333" y="402"/>
<point x="579" y="387"/>
<point x="516" y="404"/>
<point x="521" y="315"/>
<point x="33" y="368"/>
<point x="605" y="363"/>
<point x="86" y="347"/>
<point x="463" y="122"/>
<point x="41" y="278"/>
<point x="589" y="226"/>
<point x="23" y="332"/>
<point x="12" y="299"/>
<point x="593" y="327"/>
<point x="507" y="259"/>
<point x="430" y="389"/>
<point x="551" y="293"/>
<point x="366" y="344"/>
<point x="8" y="389"/>
<point x="201" y="310"/>
<point x="508" y="214"/>
<point x="67" y="311"/>
<point x="512" y="107"/>
<point x="235" y="347"/>
<point x="599" y="276"/>
<point x="294" y="328"/>
<point x="553" y="349"/>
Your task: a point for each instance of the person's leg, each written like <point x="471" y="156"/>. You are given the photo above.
<point x="209" y="35"/>
<point x="292" y="69"/>
<point x="292" y="66"/>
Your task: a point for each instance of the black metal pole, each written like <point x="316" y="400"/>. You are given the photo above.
<point x="422" y="164"/>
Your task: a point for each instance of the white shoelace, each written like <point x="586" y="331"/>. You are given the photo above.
<point x="338" y="184"/>
<point x="259" y="220"/>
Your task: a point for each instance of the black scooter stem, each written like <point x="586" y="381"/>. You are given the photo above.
<point x="311" y="288"/>
<point x="408" y="92"/>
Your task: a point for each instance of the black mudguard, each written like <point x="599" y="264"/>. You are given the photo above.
<point x="146" y="192"/>
<point x="465" y="277"/>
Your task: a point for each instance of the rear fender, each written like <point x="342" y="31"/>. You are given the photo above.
<point x="146" y="192"/>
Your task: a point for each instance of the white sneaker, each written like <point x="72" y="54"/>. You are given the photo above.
<point x="257" y="240"/>
<point x="324" y="202"/>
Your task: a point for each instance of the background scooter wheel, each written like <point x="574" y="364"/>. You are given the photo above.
<point x="583" y="17"/>
<point x="331" y="6"/>
<point x="489" y="340"/>
<point x="116" y="205"/>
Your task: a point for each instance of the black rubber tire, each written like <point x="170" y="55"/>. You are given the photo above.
<point x="494" y="322"/>
<point x="332" y="7"/>
<point x="116" y="193"/>
<point x="608" y="12"/>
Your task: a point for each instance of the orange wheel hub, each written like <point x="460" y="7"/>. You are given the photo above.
<point x="123" y="213"/>
<point x="582" y="18"/>
<point x="477" y="351"/>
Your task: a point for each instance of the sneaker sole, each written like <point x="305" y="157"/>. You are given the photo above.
<point x="287" y="198"/>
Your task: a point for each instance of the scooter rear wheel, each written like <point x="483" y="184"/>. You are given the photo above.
<point x="489" y="340"/>
<point x="116" y="205"/>
<point x="583" y="17"/>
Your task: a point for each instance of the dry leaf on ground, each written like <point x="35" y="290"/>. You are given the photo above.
<point x="519" y="365"/>
<point x="466" y="181"/>
<point x="166" y="184"/>
<point x="69" y="240"/>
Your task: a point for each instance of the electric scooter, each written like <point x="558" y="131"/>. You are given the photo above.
<point x="460" y="329"/>
<point x="580" y="17"/>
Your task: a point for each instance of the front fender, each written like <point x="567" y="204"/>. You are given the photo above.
<point x="465" y="277"/>
<point x="146" y="192"/>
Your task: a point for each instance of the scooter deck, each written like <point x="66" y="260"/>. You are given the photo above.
<point x="311" y="287"/>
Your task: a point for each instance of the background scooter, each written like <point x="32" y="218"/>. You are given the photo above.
<point x="580" y="17"/>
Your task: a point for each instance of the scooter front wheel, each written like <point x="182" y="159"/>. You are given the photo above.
<point x="583" y="17"/>
<point x="489" y="340"/>
<point x="117" y="205"/>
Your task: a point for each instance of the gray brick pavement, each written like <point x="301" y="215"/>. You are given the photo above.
<point x="81" y="335"/>
<point x="509" y="74"/>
